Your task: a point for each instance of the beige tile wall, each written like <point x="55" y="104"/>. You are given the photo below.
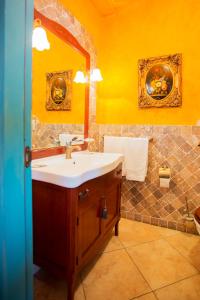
<point x="46" y="135"/>
<point x="176" y="147"/>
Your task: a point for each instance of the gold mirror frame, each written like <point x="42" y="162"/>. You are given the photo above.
<point x="174" y="98"/>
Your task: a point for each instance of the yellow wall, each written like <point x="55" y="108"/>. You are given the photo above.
<point x="146" y="29"/>
<point x="143" y="29"/>
<point x="60" y="57"/>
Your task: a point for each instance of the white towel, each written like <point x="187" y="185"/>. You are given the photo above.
<point x="136" y="158"/>
<point x="135" y="151"/>
<point x="114" y="144"/>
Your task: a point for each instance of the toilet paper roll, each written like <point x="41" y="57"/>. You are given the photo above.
<point x="164" y="182"/>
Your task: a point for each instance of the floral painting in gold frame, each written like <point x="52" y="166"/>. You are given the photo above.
<point x="160" y="81"/>
<point x="59" y="90"/>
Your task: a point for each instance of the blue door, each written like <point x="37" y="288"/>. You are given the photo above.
<point x="15" y="180"/>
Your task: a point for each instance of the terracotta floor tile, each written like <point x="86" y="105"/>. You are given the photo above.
<point x="113" y="244"/>
<point x="165" y="232"/>
<point x="157" y="252"/>
<point x="188" y="245"/>
<point x="132" y="233"/>
<point x="149" y="296"/>
<point x="115" y="274"/>
<point x="187" y="289"/>
<point x="160" y="263"/>
<point x="49" y="288"/>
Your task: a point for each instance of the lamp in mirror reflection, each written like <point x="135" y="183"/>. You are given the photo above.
<point x="39" y="37"/>
<point x="95" y="75"/>
<point x="80" y="77"/>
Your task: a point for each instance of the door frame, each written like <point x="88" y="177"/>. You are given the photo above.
<point x="15" y="133"/>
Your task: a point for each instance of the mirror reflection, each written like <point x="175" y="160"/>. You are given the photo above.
<point x="58" y="102"/>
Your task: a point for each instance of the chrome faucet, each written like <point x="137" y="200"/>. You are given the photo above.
<point x="70" y="148"/>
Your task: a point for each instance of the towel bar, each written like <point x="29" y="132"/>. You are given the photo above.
<point x="150" y="138"/>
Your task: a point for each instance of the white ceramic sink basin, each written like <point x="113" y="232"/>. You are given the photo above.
<point x="71" y="173"/>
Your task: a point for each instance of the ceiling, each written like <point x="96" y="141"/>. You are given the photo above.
<point x="108" y="7"/>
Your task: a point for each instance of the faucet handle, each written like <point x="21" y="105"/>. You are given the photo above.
<point x="77" y="140"/>
<point x="70" y="141"/>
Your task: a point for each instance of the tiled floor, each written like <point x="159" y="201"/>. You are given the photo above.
<point x="145" y="263"/>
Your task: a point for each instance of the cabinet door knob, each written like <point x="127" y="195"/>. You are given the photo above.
<point x="104" y="213"/>
<point x="84" y="194"/>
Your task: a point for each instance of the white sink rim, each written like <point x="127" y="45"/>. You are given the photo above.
<point x="53" y="168"/>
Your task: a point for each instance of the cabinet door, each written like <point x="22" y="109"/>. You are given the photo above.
<point x="111" y="200"/>
<point x="49" y="224"/>
<point x="89" y="221"/>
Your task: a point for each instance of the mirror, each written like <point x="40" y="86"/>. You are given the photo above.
<point x="59" y="105"/>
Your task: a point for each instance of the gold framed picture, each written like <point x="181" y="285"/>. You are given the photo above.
<point x="160" y="81"/>
<point x="59" y="90"/>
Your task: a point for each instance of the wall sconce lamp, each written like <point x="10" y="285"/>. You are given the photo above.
<point x="80" y="77"/>
<point x="39" y="37"/>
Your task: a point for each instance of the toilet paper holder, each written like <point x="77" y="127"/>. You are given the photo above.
<point x="164" y="172"/>
<point x="165" y="177"/>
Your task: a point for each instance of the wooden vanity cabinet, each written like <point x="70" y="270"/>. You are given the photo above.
<point x="68" y="228"/>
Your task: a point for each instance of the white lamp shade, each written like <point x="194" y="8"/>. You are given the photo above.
<point x="39" y="39"/>
<point x="96" y="75"/>
<point x="80" y="77"/>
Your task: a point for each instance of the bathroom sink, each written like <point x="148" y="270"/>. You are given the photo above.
<point x="71" y="173"/>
